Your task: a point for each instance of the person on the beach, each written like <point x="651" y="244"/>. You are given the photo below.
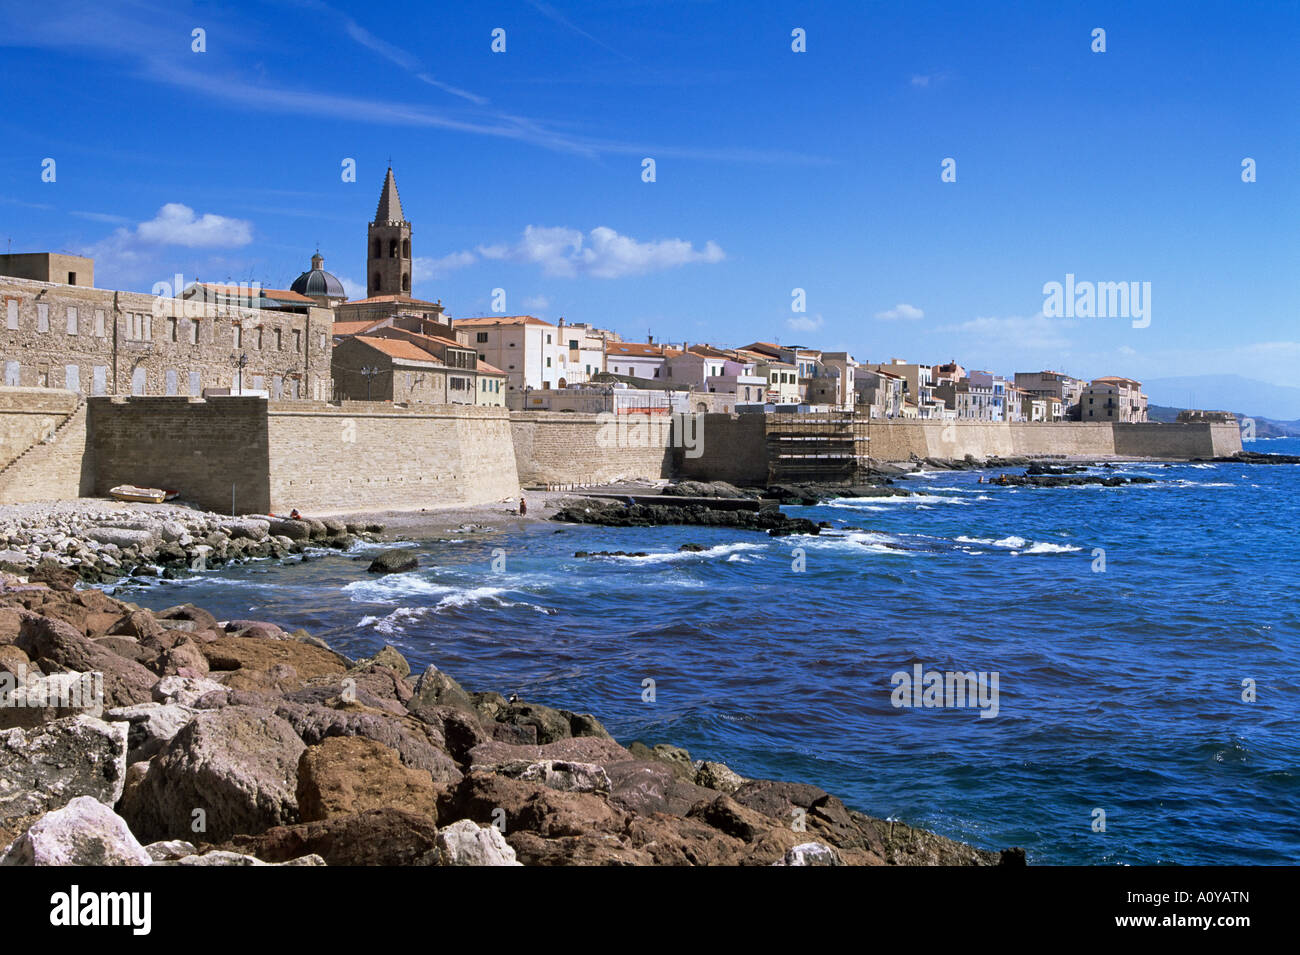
<point x="523" y="507"/>
<point x="294" y="515"/>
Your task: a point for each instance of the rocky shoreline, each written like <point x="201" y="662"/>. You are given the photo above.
<point x="236" y="743"/>
<point x="105" y="541"/>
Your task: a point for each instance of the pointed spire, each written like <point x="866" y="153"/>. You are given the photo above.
<point x="390" y="206"/>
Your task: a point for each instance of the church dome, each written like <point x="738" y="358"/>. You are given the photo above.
<point x="318" y="282"/>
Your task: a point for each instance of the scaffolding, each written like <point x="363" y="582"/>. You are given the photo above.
<point x="818" y="448"/>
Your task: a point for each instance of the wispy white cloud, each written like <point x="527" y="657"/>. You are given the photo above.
<point x="144" y="40"/>
<point x="538" y="302"/>
<point x="901" y="310"/>
<point x="395" y="54"/>
<point x="805" y="323"/>
<point x="926" y="80"/>
<point x="548" y="11"/>
<point x="353" y="288"/>
<point x="1022" y="332"/>
<point x="601" y="253"/>
<point x="100" y="217"/>
<point x="424" y="268"/>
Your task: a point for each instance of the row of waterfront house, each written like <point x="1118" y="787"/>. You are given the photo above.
<point x="310" y="342"/>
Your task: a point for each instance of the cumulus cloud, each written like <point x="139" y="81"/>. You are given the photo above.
<point x="425" y="268"/>
<point x="176" y="224"/>
<point x="601" y="253"/>
<point x="605" y="254"/>
<point x="805" y="323"/>
<point x="901" y="310"/>
<point x="135" y="254"/>
<point x="354" y="290"/>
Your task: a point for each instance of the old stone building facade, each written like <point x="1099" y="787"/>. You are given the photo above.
<point x="104" y="342"/>
<point x="407" y="368"/>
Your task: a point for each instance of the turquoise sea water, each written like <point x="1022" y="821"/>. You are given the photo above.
<point x="1119" y="689"/>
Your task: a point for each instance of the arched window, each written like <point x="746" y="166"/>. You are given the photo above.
<point x="392" y="248"/>
<point x="406" y="248"/>
<point x="406" y="282"/>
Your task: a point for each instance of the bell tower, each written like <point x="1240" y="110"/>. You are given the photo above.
<point x="388" y="251"/>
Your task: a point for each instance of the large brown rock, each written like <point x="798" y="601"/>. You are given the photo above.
<point x="488" y="798"/>
<point x="375" y="687"/>
<point x="589" y="850"/>
<point x="187" y="617"/>
<point x="541" y="724"/>
<point x="132" y="649"/>
<point x="823" y="816"/>
<point x="345" y="775"/>
<point x="185" y="658"/>
<point x="435" y="688"/>
<point x="237" y="765"/>
<point x="55" y="644"/>
<point x="646" y="787"/>
<point x="671" y="840"/>
<point x="246" y="653"/>
<point x="376" y="837"/>
<point x="491" y="754"/>
<point x="417" y="744"/>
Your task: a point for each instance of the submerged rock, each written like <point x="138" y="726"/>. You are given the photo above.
<point x="399" y="560"/>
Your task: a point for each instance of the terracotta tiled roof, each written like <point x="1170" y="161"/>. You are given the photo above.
<point x="401" y="350"/>
<point x="772" y="360"/>
<point x="501" y="320"/>
<point x="354" y="328"/>
<point x="642" y="349"/>
<point x="708" y="351"/>
<point x="490" y="369"/>
<point x="1114" y="379"/>
<point x="384" y="299"/>
<point x="275" y="294"/>
<point x="433" y="344"/>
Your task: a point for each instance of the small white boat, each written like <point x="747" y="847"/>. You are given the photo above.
<point x="138" y="495"/>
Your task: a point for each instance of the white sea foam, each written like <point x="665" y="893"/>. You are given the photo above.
<point x="395" y="622"/>
<point x="855" y="542"/>
<point x="672" y="557"/>
<point x="1046" y="548"/>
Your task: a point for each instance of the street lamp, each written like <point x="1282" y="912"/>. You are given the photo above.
<point x="369" y="372"/>
<point x="239" y="363"/>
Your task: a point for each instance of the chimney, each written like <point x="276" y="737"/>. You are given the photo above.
<point x="650" y="339"/>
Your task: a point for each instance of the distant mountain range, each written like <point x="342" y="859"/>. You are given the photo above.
<point x="1243" y="396"/>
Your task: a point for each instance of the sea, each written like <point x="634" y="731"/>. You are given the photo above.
<point x="1138" y="648"/>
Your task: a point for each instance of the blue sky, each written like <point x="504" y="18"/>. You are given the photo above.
<point x="775" y="170"/>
